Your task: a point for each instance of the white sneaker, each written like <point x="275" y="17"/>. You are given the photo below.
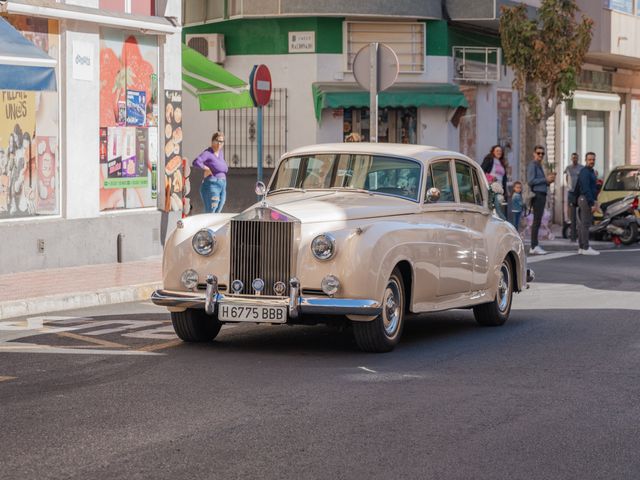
<point x="538" y="250"/>
<point x="588" y="251"/>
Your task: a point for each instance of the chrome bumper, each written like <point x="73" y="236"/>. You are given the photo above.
<point x="297" y="304"/>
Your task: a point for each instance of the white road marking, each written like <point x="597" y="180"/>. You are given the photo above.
<point x="367" y="369"/>
<point x="567" y="296"/>
<point x="549" y="256"/>
<point x="32" y="348"/>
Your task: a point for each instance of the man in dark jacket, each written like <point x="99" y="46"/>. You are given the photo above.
<point x="539" y="184"/>
<point x="587" y="192"/>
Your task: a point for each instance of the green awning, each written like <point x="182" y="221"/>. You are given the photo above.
<point x="215" y="88"/>
<point x="339" y="95"/>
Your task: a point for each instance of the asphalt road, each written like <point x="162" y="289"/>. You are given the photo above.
<point x="553" y="394"/>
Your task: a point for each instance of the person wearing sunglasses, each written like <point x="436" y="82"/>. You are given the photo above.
<point x="214" y="184"/>
<point x="539" y="183"/>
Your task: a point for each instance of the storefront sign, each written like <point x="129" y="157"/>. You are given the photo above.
<point x="302" y="42"/>
<point x="82" y="61"/>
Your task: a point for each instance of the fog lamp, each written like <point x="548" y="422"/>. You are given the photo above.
<point x="258" y="285"/>
<point x="189" y="279"/>
<point x="237" y="286"/>
<point x="280" y="288"/>
<point x="330" y="284"/>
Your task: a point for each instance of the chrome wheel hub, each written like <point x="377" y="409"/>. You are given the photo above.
<point x="391" y="311"/>
<point x="503" y="288"/>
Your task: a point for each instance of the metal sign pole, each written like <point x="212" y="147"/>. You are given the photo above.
<point x="259" y="143"/>
<point x="373" y="94"/>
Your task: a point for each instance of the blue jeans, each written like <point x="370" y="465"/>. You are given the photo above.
<point x="214" y="193"/>
<point x="516" y="219"/>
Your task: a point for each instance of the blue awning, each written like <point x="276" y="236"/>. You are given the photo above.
<point x="23" y="66"/>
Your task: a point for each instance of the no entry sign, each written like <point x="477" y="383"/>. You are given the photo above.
<point x="260" y="81"/>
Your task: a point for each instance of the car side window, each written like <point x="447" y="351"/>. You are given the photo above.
<point x="477" y="189"/>
<point x="464" y="175"/>
<point x="440" y="178"/>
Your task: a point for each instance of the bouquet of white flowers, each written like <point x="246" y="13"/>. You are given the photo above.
<point x="496" y="198"/>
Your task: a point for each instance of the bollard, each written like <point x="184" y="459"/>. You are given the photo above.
<point x="119" y="247"/>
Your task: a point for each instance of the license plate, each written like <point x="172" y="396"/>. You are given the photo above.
<point x="252" y="313"/>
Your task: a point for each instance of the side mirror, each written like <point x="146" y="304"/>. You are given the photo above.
<point x="433" y="195"/>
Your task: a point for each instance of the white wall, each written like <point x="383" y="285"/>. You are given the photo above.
<point x="80" y="103"/>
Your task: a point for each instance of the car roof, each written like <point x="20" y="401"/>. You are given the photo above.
<point x="626" y="167"/>
<point x="419" y="152"/>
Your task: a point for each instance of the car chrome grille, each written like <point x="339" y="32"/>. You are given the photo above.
<point x="261" y="250"/>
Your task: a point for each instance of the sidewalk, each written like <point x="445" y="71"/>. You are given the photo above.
<point x="55" y="289"/>
<point x="559" y="244"/>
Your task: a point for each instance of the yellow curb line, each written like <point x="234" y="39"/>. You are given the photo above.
<point x="160" y="346"/>
<point x="97" y="341"/>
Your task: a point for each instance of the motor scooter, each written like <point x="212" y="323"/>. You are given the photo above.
<point x="620" y="221"/>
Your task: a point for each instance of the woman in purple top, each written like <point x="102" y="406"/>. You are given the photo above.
<point x="214" y="185"/>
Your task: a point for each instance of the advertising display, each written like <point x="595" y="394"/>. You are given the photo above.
<point x="29" y="177"/>
<point x="128" y="120"/>
<point x="174" y="171"/>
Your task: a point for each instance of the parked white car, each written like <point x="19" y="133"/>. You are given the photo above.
<point x="360" y="233"/>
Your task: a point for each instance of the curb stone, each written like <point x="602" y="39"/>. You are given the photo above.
<point x="70" y="301"/>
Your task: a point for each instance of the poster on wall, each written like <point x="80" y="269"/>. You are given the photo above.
<point x="46" y="197"/>
<point x="128" y="109"/>
<point x="128" y="62"/>
<point x="17" y="162"/>
<point x="136" y="115"/>
<point x="125" y="168"/>
<point x="174" y="173"/>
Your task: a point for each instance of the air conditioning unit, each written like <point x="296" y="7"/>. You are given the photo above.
<point x="211" y="45"/>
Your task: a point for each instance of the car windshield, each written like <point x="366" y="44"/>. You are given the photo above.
<point x="373" y="173"/>
<point x="623" y="179"/>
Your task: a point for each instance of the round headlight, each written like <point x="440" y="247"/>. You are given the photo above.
<point x="330" y="284"/>
<point x="237" y="286"/>
<point x="323" y="246"/>
<point x="189" y="279"/>
<point x="204" y="242"/>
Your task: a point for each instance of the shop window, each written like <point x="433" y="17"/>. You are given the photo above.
<point x="406" y="39"/>
<point x="129" y="139"/>
<point x="29" y="146"/>
<point x="395" y="125"/>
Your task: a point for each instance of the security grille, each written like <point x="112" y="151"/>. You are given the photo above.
<point x="240" y="127"/>
<point x="261" y="249"/>
<point x="477" y="64"/>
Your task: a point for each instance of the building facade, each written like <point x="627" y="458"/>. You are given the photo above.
<point x="604" y="114"/>
<point x="452" y="90"/>
<point x="82" y="160"/>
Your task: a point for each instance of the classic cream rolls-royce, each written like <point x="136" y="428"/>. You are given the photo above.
<point x="357" y="233"/>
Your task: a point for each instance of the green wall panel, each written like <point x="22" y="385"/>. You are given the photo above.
<point x="271" y="36"/>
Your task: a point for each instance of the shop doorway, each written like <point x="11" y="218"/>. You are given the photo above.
<point x="395" y="125"/>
